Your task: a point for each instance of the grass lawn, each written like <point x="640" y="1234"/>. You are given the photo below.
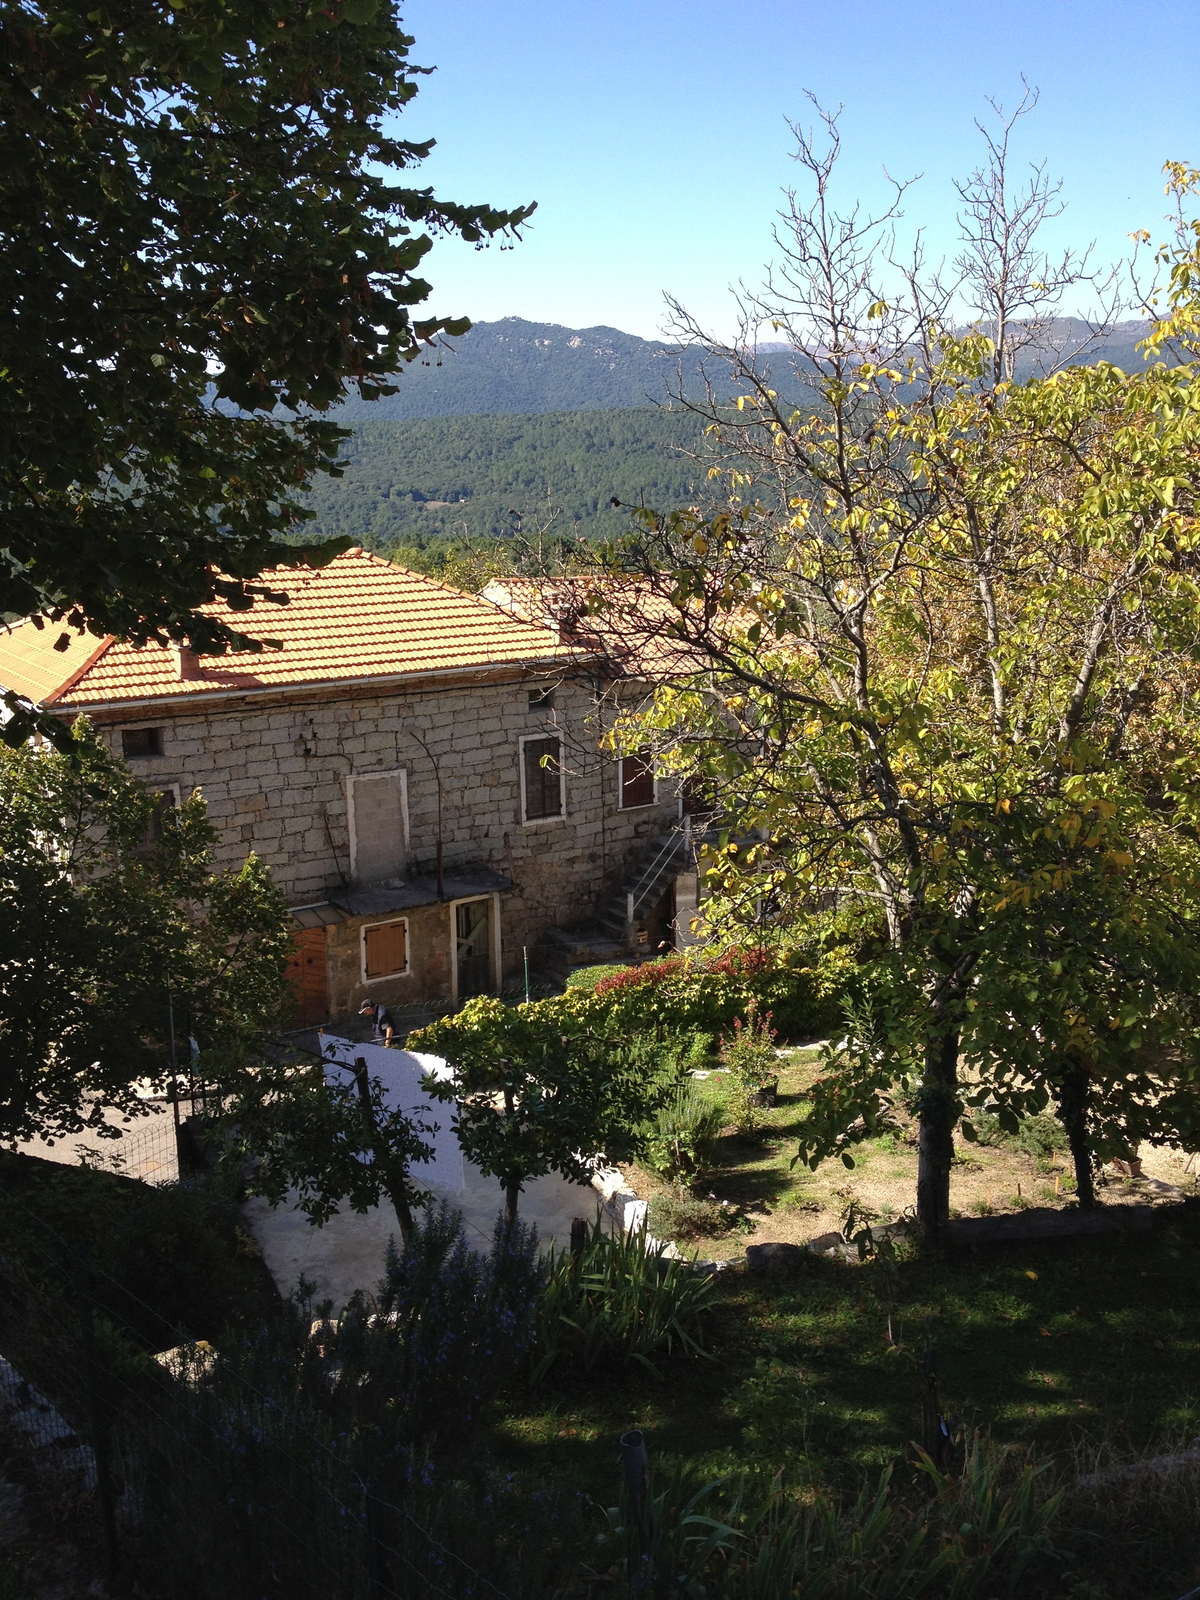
<point x="1064" y="1346"/>
<point x="772" y="1199"/>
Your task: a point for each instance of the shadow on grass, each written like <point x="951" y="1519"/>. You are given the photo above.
<point x="1046" y="1345"/>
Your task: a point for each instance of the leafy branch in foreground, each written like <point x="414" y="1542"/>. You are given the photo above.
<point x="207" y="236"/>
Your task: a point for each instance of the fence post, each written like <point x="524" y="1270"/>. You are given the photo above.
<point x="636" y="1466"/>
<point x="579" y="1234"/>
<point x="377" y="1587"/>
<point x="98" y="1413"/>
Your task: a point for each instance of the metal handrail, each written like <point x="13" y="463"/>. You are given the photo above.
<point x="675" y="838"/>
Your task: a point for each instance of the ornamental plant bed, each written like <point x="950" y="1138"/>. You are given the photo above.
<point x="767" y="1198"/>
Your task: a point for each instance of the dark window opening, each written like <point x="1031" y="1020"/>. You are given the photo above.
<point x="541" y="699"/>
<point x="137" y="742"/>
<point x="543" y="778"/>
<point x="163" y="803"/>
<point x="637" y="782"/>
<point x="473" y="947"/>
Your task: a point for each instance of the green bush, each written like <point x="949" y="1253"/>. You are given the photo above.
<point x="589" y="977"/>
<point x="681" y="1143"/>
<point x="620" y="1299"/>
<point x="706" y="992"/>
<point x="748" y="1055"/>
<point x="683" y="1220"/>
<point x="1039" y="1136"/>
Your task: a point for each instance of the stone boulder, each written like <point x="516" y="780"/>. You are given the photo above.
<point x="775" y="1260"/>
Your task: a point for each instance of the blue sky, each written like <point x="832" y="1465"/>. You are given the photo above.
<point x="654" y="136"/>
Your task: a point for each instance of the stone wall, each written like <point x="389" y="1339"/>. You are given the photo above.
<point x="275" y="770"/>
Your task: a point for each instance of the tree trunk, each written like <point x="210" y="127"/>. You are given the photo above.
<point x="939" y="1101"/>
<point x="394" y="1174"/>
<point x="403" y="1212"/>
<point x="512" y="1191"/>
<point x="1073" y="1109"/>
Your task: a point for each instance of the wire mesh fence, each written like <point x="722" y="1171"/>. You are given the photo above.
<point x="188" y="1474"/>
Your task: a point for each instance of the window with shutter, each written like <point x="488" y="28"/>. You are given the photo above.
<point x="385" y="950"/>
<point x="542" y="774"/>
<point x="637" y="782"/>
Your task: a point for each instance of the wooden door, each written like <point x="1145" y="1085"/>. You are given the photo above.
<point x="306" y="974"/>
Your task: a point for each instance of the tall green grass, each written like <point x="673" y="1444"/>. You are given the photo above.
<point x="622" y="1299"/>
<point x="963" y="1537"/>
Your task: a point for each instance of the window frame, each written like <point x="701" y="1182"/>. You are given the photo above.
<point x="156" y="740"/>
<point x="353" y="778"/>
<point x="497" y="947"/>
<point x="641" y="805"/>
<point x="383" y="977"/>
<point x="551" y="816"/>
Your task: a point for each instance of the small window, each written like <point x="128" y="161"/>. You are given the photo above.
<point x="139" y="742"/>
<point x="542" y="772"/>
<point x="165" y="800"/>
<point x="385" y="950"/>
<point x="637" y="782"/>
<point x="541" y="699"/>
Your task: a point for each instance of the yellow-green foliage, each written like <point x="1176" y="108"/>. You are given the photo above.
<point x="684" y="993"/>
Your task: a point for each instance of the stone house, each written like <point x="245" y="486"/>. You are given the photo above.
<point x="418" y="767"/>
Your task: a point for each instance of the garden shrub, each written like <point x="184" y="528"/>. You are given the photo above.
<point x="683" y="1220"/>
<point x="620" y="1299"/>
<point x="681" y="1143"/>
<point x="708" y="992"/>
<point x="589" y="977"/>
<point x="411" y="1368"/>
<point x="681" y="995"/>
<point x="1038" y="1136"/>
<point x="748" y="1055"/>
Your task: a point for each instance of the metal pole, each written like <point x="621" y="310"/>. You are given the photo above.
<point x="377" y="1587"/>
<point x="525" y="953"/>
<point x="636" y="1466"/>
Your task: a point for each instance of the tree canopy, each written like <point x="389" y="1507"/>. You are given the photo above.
<point x="207" y="237"/>
<point x="945" y="633"/>
<point x="114" y="935"/>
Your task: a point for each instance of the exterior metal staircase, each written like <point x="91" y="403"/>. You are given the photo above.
<point x="612" y="936"/>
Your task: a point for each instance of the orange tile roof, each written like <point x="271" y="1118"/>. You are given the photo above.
<point x="359" y="617"/>
<point x="624" y="620"/>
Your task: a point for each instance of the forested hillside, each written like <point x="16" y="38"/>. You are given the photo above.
<point x="526" y="367"/>
<point x="524" y="417"/>
<point x="410" y="484"/>
<point x="523" y="367"/>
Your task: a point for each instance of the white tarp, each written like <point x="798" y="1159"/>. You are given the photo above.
<point x="402" y="1074"/>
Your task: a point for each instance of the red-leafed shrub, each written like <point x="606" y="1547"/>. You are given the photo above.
<point x="710" y="993"/>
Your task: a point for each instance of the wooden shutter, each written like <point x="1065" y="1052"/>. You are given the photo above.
<point x="543" y="778"/>
<point x="637" y="782"/>
<point x="386" y="946"/>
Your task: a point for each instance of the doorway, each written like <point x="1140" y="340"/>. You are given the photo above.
<point x="305" y="973"/>
<point x="473" y="947"/>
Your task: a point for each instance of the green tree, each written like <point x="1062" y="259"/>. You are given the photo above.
<point x="328" y="1138"/>
<point x="109" y="912"/>
<point x="941" y="666"/>
<point x="533" y="1099"/>
<point x="206" y="237"/>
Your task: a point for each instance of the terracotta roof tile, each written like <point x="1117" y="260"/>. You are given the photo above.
<point x="359" y="617"/>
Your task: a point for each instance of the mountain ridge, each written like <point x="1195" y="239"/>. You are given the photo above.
<point x="518" y="367"/>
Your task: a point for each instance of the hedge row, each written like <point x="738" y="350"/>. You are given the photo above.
<point x="686" y="993"/>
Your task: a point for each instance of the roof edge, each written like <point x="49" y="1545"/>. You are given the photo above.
<point x="86" y="666"/>
<point x="209" y="696"/>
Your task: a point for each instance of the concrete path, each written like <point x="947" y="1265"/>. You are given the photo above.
<point x="348" y="1252"/>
